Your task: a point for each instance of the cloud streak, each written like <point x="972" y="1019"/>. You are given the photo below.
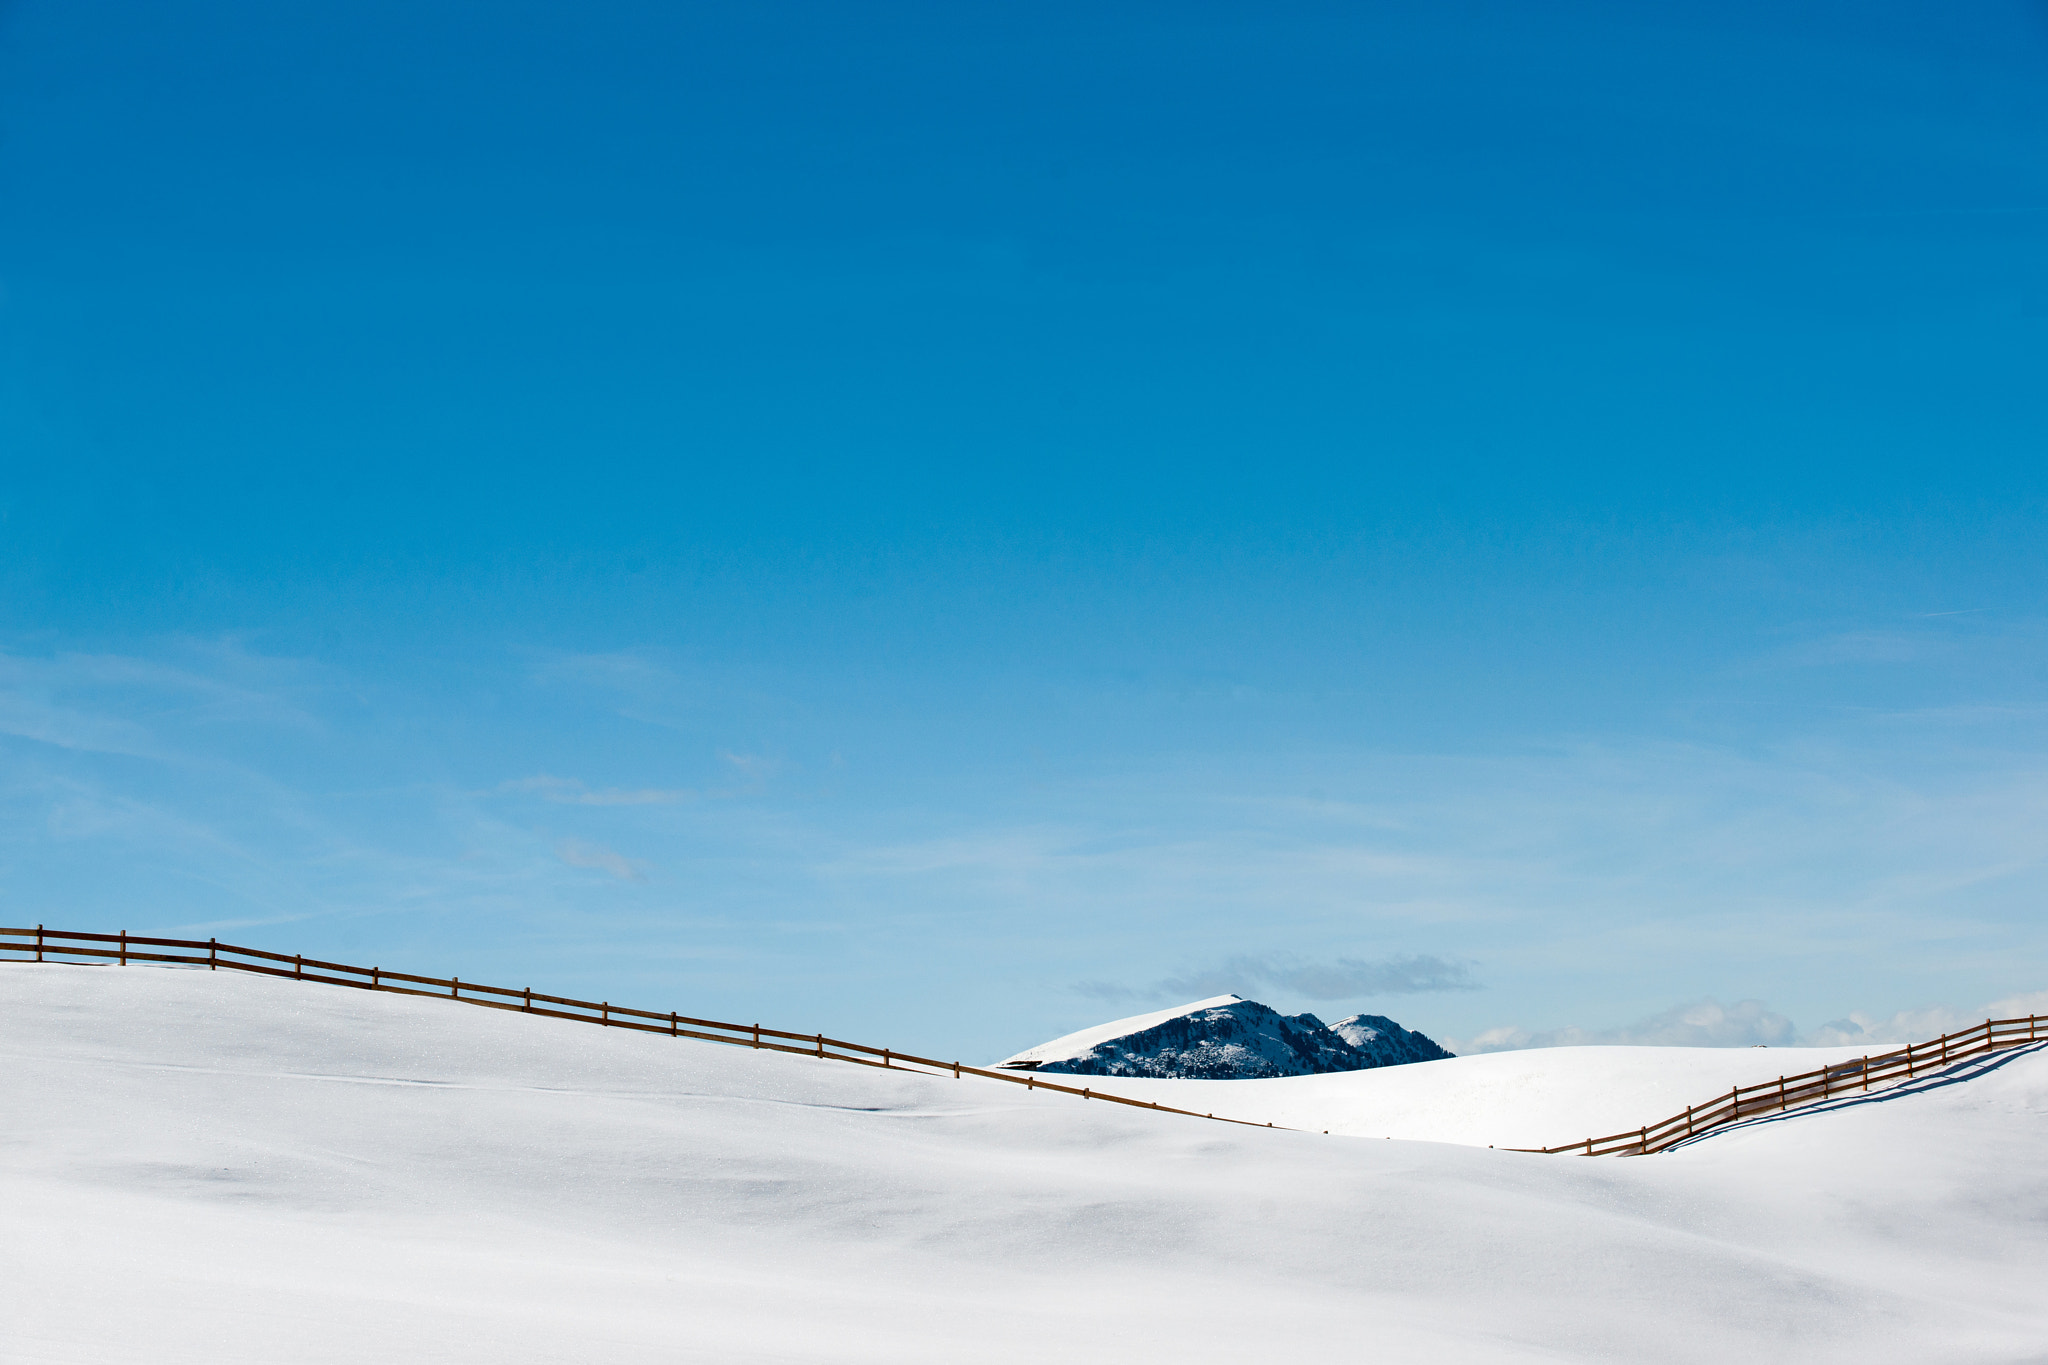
<point x="1751" y="1023"/>
<point x="1695" y="1023"/>
<point x="569" y="791"/>
<point x="1917" y="1026"/>
<point x="1344" y="978"/>
<point x="583" y="853"/>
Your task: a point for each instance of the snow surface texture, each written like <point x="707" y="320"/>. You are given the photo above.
<point x="1227" y="1038"/>
<point x="1544" y="1097"/>
<point x="210" y="1167"/>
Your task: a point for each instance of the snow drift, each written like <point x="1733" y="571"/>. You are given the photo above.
<point x="1227" y="1037"/>
<point x="217" y="1168"/>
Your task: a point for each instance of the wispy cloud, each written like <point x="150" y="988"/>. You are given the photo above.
<point x="1751" y="1023"/>
<point x="569" y="791"/>
<point x="1696" y="1023"/>
<point x="755" y="771"/>
<point x="1868" y="855"/>
<point x="583" y="853"/>
<point x="1344" y="978"/>
<point x="27" y="716"/>
<point x="1863" y="647"/>
<point x="88" y="703"/>
<point x="1918" y="1025"/>
<point x="621" y="669"/>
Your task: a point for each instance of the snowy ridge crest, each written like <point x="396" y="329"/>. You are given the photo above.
<point x="1228" y="1037"/>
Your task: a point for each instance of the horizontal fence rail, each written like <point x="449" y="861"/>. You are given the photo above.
<point x="52" y="945"/>
<point x="1836" y="1080"/>
<point x="1833" y="1081"/>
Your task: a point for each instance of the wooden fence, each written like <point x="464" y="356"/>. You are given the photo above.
<point x="51" y="945"/>
<point x="1833" y="1081"/>
<point x="1837" y="1080"/>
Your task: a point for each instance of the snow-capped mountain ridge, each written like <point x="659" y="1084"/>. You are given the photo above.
<point x="1227" y="1037"/>
<point x="1387" y="1042"/>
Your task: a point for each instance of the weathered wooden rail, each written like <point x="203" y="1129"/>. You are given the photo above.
<point x="1836" y="1080"/>
<point x="1833" y="1081"/>
<point x="52" y="945"/>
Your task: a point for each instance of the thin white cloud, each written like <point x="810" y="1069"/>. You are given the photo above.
<point x="1915" y="1026"/>
<point x="1864" y="647"/>
<point x="569" y="791"/>
<point x="1750" y="1023"/>
<point x="1695" y="1023"/>
<point x="1865" y="857"/>
<point x="94" y="703"/>
<point x="1343" y="978"/>
<point x="37" y="718"/>
<point x="583" y="853"/>
<point x="2015" y="1006"/>
<point x="619" y="669"/>
<point x="755" y="771"/>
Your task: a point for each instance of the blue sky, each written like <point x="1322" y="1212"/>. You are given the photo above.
<point x="946" y="523"/>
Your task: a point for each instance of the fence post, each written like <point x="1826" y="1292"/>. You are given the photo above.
<point x="374" y="974"/>
<point x="674" y="1027"/>
<point x="528" y="1007"/>
<point x="1589" y="1146"/>
<point x="885" y="1057"/>
<point x="821" y="1045"/>
<point x="124" y="947"/>
<point x="213" y="955"/>
<point x="298" y="967"/>
<point x="1866" y="1073"/>
<point x="604" y="1014"/>
<point x="455" y="987"/>
<point x="1688" y="1120"/>
<point x="1909" y="1061"/>
<point x="1944" y="1049"/>
<point x="757" y="1035"/>
<point x="1643" y="1142"/>
<point x="39" y="946"/>
<point x="956" y="1071"/>
<point x="1734" y="1103"/>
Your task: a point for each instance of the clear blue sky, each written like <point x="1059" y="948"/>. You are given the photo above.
<point x="945" y="523"/>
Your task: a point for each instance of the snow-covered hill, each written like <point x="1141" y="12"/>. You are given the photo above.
<point x="1544" y="1097"/>
<point x="1227" y="1037"/>
<point x="209" y="1167"/>
<point x="1382" y="1042"/>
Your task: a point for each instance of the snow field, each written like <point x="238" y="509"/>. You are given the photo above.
<point x="1543" y="1097"/>
<point x="214" y="1167"/>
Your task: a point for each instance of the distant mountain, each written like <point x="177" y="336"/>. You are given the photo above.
<point x="1227" y="1038"/>
<point x="1384" y="1041"/>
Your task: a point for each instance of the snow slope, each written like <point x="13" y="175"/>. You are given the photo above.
<point x="1543" y="1097"/>
<point x="1085" y="1041"/>
<point x="209" y="1167"/>
<point x="1226" y="1037"/>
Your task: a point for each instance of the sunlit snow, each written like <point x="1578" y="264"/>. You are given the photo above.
<point x="207" y="1167"/>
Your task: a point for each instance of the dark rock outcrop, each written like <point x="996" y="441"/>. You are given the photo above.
<point x="1229" y="1038"/>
